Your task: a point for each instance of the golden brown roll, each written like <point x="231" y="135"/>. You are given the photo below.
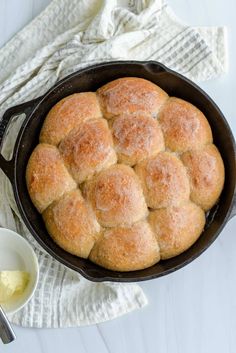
<point x="184" y="126"/>
<point x="131" y="95"/>
<point x="67" y="114"/>
<point x="177" y="228"/>
<point x="116" y="196"/>
<point x="206" y="171"/>
<point x="88" y="149"/>
<point x="164" y="180"/>
<point x="46" y="176"/>
<point x="126" y="249"/>
<point x="136" y="137"/>
<point x="72" y="224"/>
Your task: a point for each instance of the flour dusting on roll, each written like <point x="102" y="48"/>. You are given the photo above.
<point x="164" y="180"/>
<point x="131" y="95"/>
<point x="184" y="126"/>
<point x="72" y="224"/>
<point x="68" y="114"/>
<point x="88" y="149"/>
<point x="136" y="137"/>
<point x="47" y="177"/>
<point x="206" y="172"/>
<point x="177" y="228"/>
<point x="127" y="248"/>
<point x="116" y="196"/>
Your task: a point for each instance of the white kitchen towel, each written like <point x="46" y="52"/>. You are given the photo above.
<point x="66" y="36"/>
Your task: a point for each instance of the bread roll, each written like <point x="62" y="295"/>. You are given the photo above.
<point x="184" y="126"/>
<point x="136" y="137"/>
<point x="206" y="171"/>
<point x="131" y="95"/>
<point x="72" y="224"/>
<point x="88" y="149"/>
<point x="68" y="114"/>
<point x="126" y="249"/>
<point x="116" y="196"/>
<point x="177" y="228"/>
<point x="46" y="176"/>
<point x="164" y="180"/>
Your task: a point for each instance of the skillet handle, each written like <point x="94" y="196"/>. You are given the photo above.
<point x="233" y="211"/>
<point x="26" y="108"/>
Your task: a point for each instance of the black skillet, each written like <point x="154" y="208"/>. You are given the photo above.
<point x="90" y="79"/>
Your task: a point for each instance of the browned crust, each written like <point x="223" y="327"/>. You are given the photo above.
<point x="46" y="176"/>
<point x="116" y="196"/>
<point x="184" y="126"/>
<point x="206" y="172"/>
<point x="164" y="180"/>
<point x="177" y="228"/>
<point x="131" y="95"/>
<point x="126" y="249"/>
<point x="72" y="224"/>
<point x="67" y="114"/>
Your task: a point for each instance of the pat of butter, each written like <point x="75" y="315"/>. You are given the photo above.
<point x="12" y="282"/>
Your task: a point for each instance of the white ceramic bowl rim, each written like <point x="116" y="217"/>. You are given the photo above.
<point x="17" y="250"/>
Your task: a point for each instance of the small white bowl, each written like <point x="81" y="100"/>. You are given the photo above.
<point x="17" y="254"/>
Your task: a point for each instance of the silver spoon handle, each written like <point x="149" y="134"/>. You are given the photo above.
<point x="6" y="332"/>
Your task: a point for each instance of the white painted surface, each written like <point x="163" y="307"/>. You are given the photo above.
<point x="192" y="310"/>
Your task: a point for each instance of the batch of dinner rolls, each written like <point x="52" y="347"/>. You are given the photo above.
<point x="124" y="176"/>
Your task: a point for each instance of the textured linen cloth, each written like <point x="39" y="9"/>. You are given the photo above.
<point x="66" y="36"/>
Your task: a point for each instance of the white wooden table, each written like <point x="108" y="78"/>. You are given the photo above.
<point x="192" y="310"/>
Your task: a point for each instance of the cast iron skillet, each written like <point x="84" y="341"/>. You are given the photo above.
<point x="90" y="79"/>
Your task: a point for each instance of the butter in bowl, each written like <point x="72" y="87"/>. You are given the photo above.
<point x="12" y="284"/>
